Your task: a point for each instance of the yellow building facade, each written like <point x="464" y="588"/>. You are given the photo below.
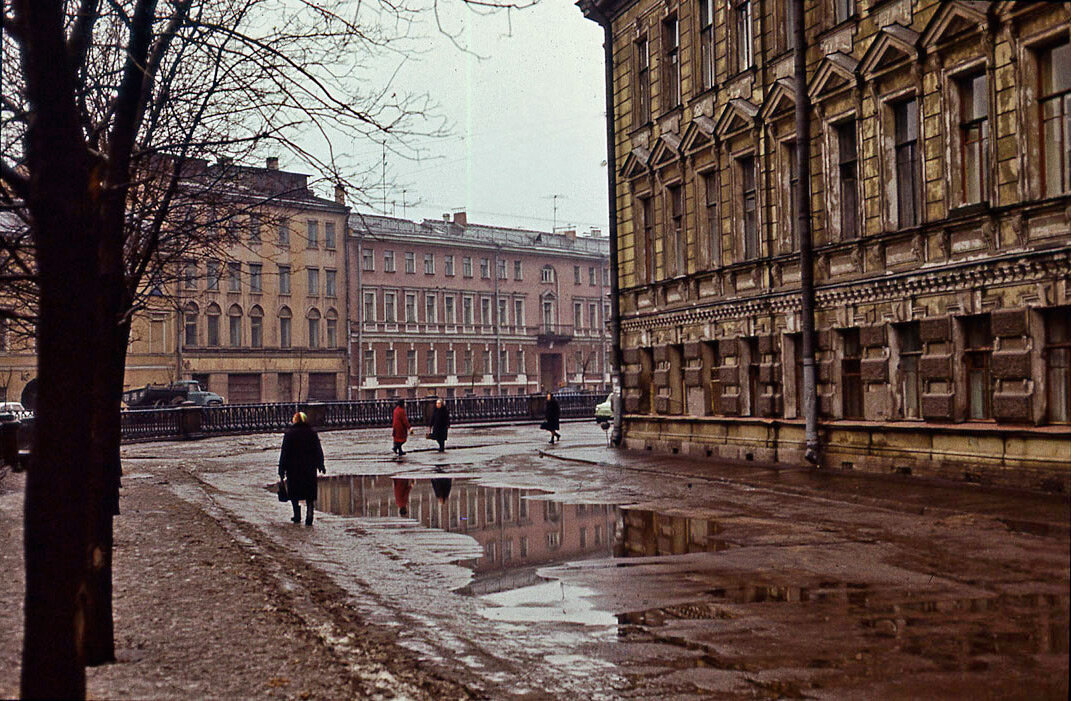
<point x="941" y="215"/>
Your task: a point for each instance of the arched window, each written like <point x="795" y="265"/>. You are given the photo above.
<point x="284" y="327"/>
<point x="189" y="321"/>
<point x="332" y="328"/>
<point x="256" y="327"/>
<point x="235" y="314"/>
<point x="314" y="328"/>
<point x="546" y="274"/>
<point x="213" y="324"/>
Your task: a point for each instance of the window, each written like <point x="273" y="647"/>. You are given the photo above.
<point x="388" y="261"/>
<point x="234" y="277"/>
<point x="429" y="309"/>
<point x="466" y="311"/>
<point x="369" y="306"/>
<point x="848" y="173"/>
<point x="520" y="362"/>
<point x="369" y="363"/>
<point x="330" y="277"/>
<point x="410" y="363"/>
<point x="390" y="364"/>
<point x="1054" y="99"/>
<point x="284" y="279"/>
<point x="789" y="216"/>
<point x="706" y="43"/>
<point x="910" y="381"/>
<point x="978" y="349"/>
<point x="671" y="69"/>
<point x="448" y="265"/>
<point x="851" y="377"/>
<point x="368" y="260"/>
<point x="314" y="281"/>
<point x="485" y="268"/>
<point x="190" y="319"/>
<point x="502" y="318"/>
<point x="742" y="36"/>
<point x="518" y="312"/>
<point x="605" y="276"/>
<point x="1058" y="364"/>
<point x="410" y="308"/>
<point x="500" y="269"/>
<point x="546" y="274"/>
<point x="466" y="266"/>
<point x="593" y="320"/>
<point x="974" y="136"/>
<point x="576" y="274"/>
<point x="751" y="215"/>
<point x="284" y="328"/>
<point x="429" y="264"/>
<point x="235" y="319"/>
<point x="710" y="217"/>
<point x="410" y="262"/>
<point x="332" y="331"/>
<point x="466" y="362"/>
<point x="518" y="273"/>
<point x="451" y="314"/>
<point x="642" y="88"/>
<point x="284" y="233"/>
<point x="329" y="234"/>
<point x="256" y="327"/>
<point x="213" y="275"/>
<point x="451" y="362"/>
<point x="431" y="367"/>
<point x="647" y="226"/>
<point x="485" y="362"/>
<point x="313" y="228"/>
<point x="189" y="275"/>
<point x="390" y="308"/>
<point x="905" y="117"/>
<point x="503" y="361"/>
<point x="485" y="311"/>
<point x="548" y="314"/>
<point x="578" y="315"/>
<point x="213" y="325"/>
<point x="255" y="284"/>
<point x="314" y="329"/>
<point x="842" y="10"/>
<point x="790" y="24"/>
<point x="592" y="280"/>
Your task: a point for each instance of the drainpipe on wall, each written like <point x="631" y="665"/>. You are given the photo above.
<point x="598" y="16"/>
<point x="360" y="312"/>
<point x="803" y="222"/>
<point x="496" y="362"/>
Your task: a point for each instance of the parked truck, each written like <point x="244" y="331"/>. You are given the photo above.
<point x="174" y="394"/>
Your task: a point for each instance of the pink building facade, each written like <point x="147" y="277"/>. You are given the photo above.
<point x="453" y="309"/>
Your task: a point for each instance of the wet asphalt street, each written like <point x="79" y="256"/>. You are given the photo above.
<point x="580" y="571"/>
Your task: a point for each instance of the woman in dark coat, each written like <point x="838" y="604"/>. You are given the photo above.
<point x="440" y="423"/>
<point x="299" y="461"/>
<point x="399" y="427"/>
<point x="554" y="413"/>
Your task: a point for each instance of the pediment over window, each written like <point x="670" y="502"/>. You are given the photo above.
<point x="893" y="44"/>
<point x="953" y="20"/>
<point x="835" y="72"/>
<point x="781" y="100"/>
<point x="698" y="133"/>
<point x="739" y="115"/>
<point x="635" y="163"/>
<point x="666" y="150"/>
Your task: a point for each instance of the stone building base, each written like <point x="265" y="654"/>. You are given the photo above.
<point x="1031" y="458"/>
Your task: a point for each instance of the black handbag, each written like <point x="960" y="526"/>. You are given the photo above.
<point x="283" y="496"/>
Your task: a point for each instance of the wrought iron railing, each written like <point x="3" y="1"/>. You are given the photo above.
<point x="199" y="421"/>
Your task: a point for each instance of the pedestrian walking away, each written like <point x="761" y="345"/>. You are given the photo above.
<point x="299" y="460"/>
<point x="554" y="413"/>
<point x="400" y="427"/>
<point x="440" y="424"/>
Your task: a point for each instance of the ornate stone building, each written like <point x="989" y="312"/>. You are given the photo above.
<point x="456" y="308"/>
<point x="941" y="214"/>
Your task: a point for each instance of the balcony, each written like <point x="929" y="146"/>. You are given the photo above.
<point x="549" y="334"/>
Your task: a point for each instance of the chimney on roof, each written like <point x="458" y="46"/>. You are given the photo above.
<point x="569" y="233"/>
<point x="272" y="163"/>
<point x="446" y="216"/>
<point x="340" y="194"/>
<point x="460" y="218"/>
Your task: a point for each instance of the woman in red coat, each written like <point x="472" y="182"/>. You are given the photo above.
<point x="401" y="427"/>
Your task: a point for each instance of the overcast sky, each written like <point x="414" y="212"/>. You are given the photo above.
<point x="526" y="115"/>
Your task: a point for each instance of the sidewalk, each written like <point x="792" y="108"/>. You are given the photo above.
<point x="200" y="614"/>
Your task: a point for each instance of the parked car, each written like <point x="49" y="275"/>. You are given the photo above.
<point x="11" y="411"/>
<point x="604" y="411"/>
<point x="181" y="392"/>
